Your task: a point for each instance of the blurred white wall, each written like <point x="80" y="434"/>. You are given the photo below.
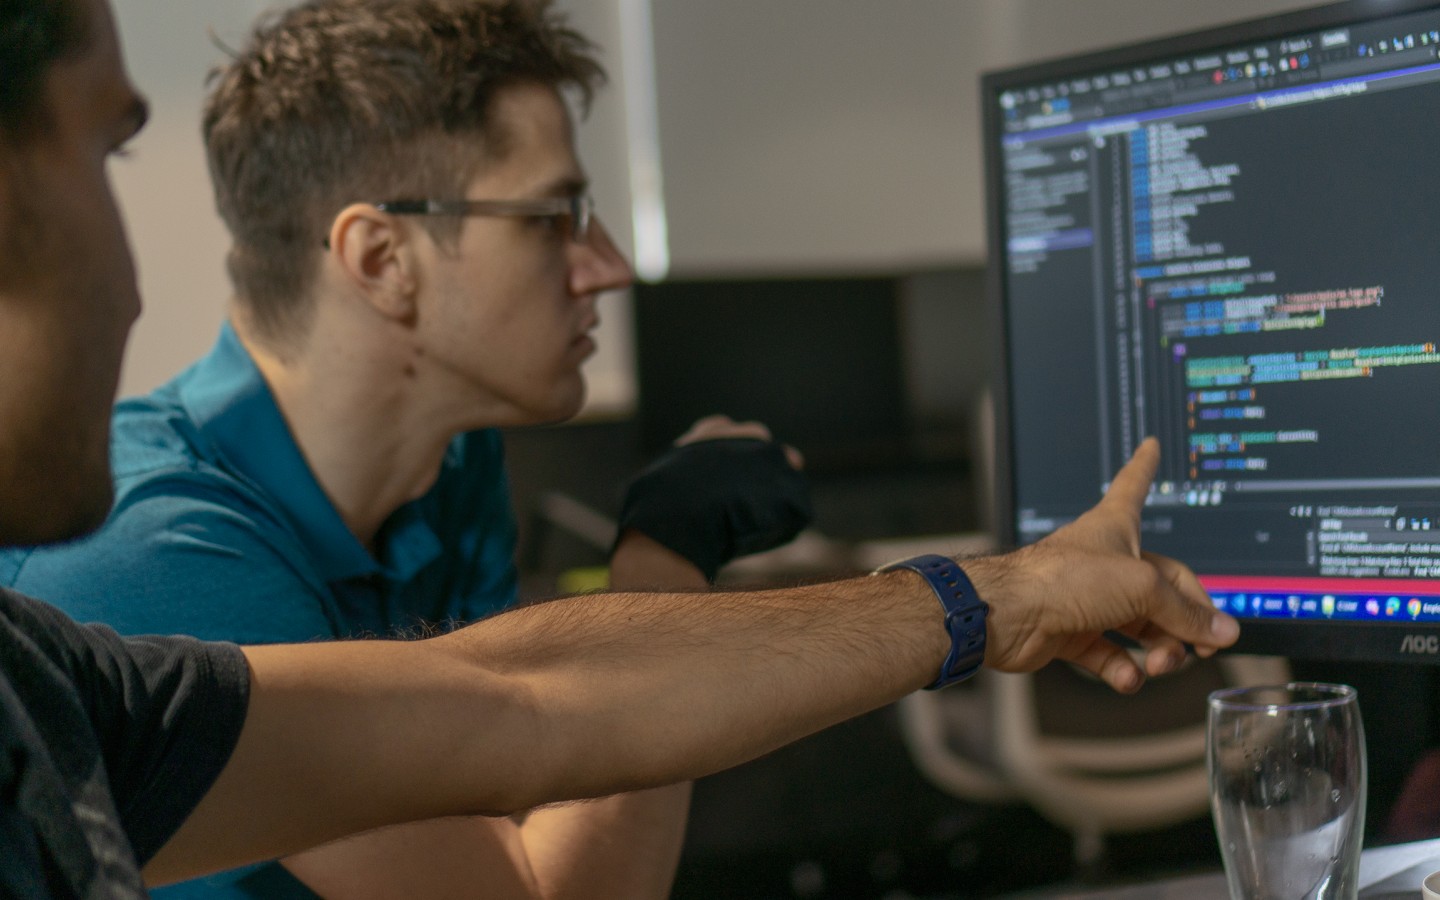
<point x="806" y="135"/>
<point x="796" y="135"/>
<point x="178" y="240"/>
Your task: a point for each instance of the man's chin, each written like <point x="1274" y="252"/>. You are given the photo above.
<point x="570" y="408"/>
<point x="561" y="407"/>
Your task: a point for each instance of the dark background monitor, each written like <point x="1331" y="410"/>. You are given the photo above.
<point x="1231" y="240"/>
<point x="876" y="378"/>
<point x="817" y="359"/>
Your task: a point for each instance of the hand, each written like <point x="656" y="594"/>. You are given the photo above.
<point x="639" y="562"/>
<point x="726" y="490"/>
<point x="1055" y="599"/>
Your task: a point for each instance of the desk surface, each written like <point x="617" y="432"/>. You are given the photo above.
<point x="1386" y="873"/>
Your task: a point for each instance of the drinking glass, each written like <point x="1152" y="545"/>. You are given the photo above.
<point x="1430" y="887"/>
<point x="1287" y="789"/>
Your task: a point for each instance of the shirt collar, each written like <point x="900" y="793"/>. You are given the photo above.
<point x="229" y="401"/>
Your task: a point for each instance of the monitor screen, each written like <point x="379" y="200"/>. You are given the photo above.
<point x="1231" y="240"/>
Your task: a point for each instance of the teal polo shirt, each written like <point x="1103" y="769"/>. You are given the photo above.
<point x="220" y="531"/>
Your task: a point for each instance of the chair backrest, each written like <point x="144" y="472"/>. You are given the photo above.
<point x="1088" y="759"/>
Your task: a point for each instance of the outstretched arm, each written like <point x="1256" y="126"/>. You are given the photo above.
<point x="593" y="695"/>
<point x="625" y="845"/>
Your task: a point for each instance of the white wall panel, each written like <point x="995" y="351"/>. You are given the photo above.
<point x="178" y="240"/>
<point x="824" y="135"/>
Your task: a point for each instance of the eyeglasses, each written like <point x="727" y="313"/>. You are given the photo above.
<point x="578" y="210"/>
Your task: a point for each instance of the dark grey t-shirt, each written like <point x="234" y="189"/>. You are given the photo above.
<point x="106" y="745"/>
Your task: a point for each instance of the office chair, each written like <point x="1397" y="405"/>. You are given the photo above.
<point x="1087" y="759"/>
<point x="950" y="736"/>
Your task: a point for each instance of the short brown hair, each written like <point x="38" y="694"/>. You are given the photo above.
<point x="338" y="101"/>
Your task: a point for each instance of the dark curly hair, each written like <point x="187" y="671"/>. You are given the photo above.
<point x="335" y="101"/>
<point x="33" y="35"/>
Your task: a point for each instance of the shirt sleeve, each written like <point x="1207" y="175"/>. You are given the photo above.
<point x="167" y="713"/>
<point x="183" y="555"/>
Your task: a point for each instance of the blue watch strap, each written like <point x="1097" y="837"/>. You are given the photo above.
<point x="964" y="615"/>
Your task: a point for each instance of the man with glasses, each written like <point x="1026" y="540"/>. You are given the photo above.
<point x="416" y="264"/>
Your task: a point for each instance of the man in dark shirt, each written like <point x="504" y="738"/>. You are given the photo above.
<point x="108" y="742"/>
<point x="106" y="745"/>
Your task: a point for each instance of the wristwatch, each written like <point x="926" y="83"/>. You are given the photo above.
<point x="964" y="615"/>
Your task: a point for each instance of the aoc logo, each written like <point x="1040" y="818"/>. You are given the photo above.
<point x="1421" y="643"/>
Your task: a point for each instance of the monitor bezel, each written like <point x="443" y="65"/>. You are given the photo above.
<point x="1374" y="642"/>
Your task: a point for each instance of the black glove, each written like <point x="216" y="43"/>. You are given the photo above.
<point x="715" y="500"/>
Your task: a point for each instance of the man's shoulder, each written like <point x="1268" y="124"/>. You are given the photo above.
<point x="20" y="614"/>
<point x="187" y="547"/>
<point x="166" y="467"/>
<point x="42" y="712"/>
<point x="154" y="433"/>
<point x="75" y="695"/>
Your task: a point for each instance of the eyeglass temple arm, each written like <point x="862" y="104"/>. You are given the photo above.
<point x="407" y="207"/>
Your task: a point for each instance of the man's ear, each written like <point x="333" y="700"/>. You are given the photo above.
<point x="375" y="253"/>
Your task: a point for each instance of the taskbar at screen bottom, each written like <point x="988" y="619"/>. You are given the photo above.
<point x="1397" y="600"/>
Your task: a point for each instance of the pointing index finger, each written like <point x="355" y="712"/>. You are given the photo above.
<point x="1132" y="483"/>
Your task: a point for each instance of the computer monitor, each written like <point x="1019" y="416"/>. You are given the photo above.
<point x="1231" y="240"/>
